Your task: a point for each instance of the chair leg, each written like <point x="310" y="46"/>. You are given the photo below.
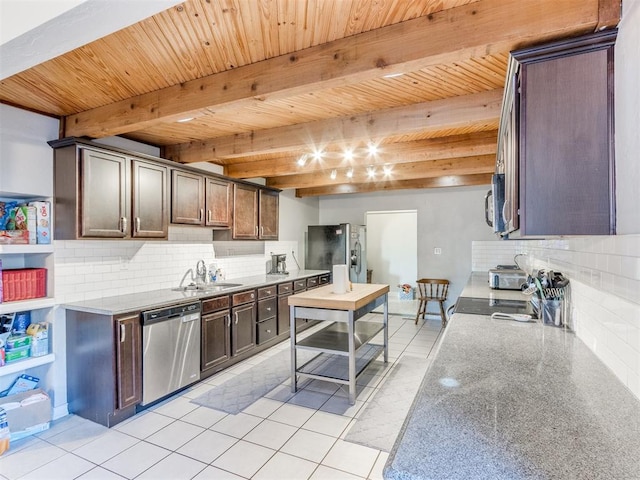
<point x="421" y="309"/>
<point x="442" y="314"/>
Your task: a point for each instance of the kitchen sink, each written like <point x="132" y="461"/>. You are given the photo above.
<point x="214" y="287"/>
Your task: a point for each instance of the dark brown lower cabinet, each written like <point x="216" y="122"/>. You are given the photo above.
<point x="215" y="333"/>
<point x="243" y="321"/>
<point x="104" y="365"/>
<point x="129" y="361"/>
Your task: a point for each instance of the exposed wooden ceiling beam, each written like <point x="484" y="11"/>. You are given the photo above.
<point x="465" y="32"/>
<point x="418" y="183"/>
<point x="462" y="111"/>
<point x="480" y="143"/>
<point x="403" y="171"/>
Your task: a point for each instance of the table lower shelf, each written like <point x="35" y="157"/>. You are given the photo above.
<point x="328" y="366"/>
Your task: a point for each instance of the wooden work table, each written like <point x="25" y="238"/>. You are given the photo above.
<point x="343" y="346"/>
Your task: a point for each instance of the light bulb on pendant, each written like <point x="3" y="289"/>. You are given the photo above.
<point x="371" y="171"/>
<point x="386" y="170"/>
<point x="372" y="148"/>
<point x="302" y="160"/>
<point x="334" y="174"/>
<point x="350" y="173"/>
<point x="348" y="155"/>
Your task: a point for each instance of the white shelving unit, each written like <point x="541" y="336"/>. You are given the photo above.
<point x="31" y="362"/>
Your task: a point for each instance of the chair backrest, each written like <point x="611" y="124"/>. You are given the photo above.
<point x="433" y="288"/>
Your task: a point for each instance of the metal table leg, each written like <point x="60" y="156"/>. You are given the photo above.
<point x="294" y="367"/>
<point x="352" y="359"/>
<point x="385" y="320"/>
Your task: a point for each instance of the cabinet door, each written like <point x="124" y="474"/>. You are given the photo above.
<point x="218" y="203"/>
<point x="128" y="361"/>
<point x="245" y="209"/>
<point x="243" y="328"/>
<point x="187" y="198"/>
<point x="284" y="314"/>
<point x="566" y="138"/>
<point x="149" y="200"/>
<point x="269" y="215"/>
<point x="216" y="340"/>
<point x="104" y="204"/>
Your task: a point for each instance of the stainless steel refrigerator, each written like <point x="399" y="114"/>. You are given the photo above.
<point x="343" y="244"/>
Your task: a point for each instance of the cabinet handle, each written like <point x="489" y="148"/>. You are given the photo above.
<point x="269" y="331"/>
<point x="201" y="214"/>
<point x="137" y="224"/>
<point x="256" y="230"/>
<point x="123" y="224"/>
<point x="261" y="230"/>
<point x="123" y="333"/>
<point x="253" y="295"/>
<point x="208" y="216"/>
<point x="268" y="309"/>
<point x="228" y="320"/>
<point x="236" y="314"/>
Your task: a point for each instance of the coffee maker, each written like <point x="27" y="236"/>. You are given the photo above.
<point x="279" y="264"/>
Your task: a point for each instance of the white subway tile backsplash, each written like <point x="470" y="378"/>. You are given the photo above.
<point x="605" y="290"/>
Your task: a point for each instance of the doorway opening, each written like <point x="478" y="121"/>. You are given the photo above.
<point x="392" y="254"/>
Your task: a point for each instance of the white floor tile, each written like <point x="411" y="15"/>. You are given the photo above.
<point x="35" y="454"/>
<point x="236" y="425"/>
<point x="322" y="387"/>
<point x="175" y="435"/>
<point x="213" y="473"/>
<point x="67" y="467"/>
<point x="73" y="438"/>
<point x="108" y="445"/>
<point x="292" y="415"/>
<point x="352" y="458"/>
<point x="341" y="406"/>
<point x="144" y="424"/>
<point x="204" y="417"/>
<point x="326" y="473"/>
<point x="197" y="390"/>
<point x="60" y="425"/>
<point x="270" y="434"/>
<point x="283" y="466"/>
<point x="281" y="393"/>
<point x="219" y="378"/>
<point x="263" y="407"/>
<point x="176" y="407"/>
<point x="327" y="423"/>
<point x="135" y="460"/>
<point x="207" y="446"/>
<point x="376" y="472"/>
<point x="309" y="445"/>
<point x="309" y="399"/>
<point x="244" y="459"/>
<point x="99" y="473"/>
<point x="173" y="467"/>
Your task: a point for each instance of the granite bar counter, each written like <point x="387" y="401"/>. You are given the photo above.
<point x="511" y="400"/>
<point x="159" y="298"/>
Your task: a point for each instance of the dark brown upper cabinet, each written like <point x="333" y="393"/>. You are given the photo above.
<point x="566" y="137"/>
<point x="105" y="194"/>
<point x="200" y="200"/>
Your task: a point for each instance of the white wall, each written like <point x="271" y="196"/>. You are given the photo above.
<point x="627" y="121"/>
<point x="449" y="218"/>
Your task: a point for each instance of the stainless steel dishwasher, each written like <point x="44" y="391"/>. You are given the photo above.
<point x="170" y="350"/>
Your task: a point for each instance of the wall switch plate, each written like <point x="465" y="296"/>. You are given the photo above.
<point x="437" y="251"/>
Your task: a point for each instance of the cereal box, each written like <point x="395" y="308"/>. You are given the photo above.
<point x="43" y="221"/>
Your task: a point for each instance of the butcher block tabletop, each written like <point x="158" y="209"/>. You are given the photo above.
<point x="323" y="297"/>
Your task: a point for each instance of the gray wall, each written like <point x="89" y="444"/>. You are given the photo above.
<point x="449" y="218"/>
<point x="295" y="215"/>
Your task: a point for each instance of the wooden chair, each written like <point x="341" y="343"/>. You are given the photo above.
<point x="432" y="290"/>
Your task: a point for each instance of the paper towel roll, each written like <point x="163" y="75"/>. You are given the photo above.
<point x="340" y="279"/>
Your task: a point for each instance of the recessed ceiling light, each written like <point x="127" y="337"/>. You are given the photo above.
<point x="184" y="120"/>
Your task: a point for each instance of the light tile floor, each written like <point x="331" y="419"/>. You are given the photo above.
<point x="280" y="436"/>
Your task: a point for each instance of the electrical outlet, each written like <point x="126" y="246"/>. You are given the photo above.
<point x="437" y="251"/>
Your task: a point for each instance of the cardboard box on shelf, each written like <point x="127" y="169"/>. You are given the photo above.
<point x="14" y="237"/>
<point x="27" y="412"/>
<point x="43" y="221"/>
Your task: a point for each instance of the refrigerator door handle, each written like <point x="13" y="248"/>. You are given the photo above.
<point x="358" y="257"/>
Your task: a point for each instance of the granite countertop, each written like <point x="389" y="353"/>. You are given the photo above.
<point x="159" y="298"/>
<point x="510" y="400"/>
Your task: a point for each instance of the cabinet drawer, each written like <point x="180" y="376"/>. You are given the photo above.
<point x="266" y="330"/>
<point x="312" y="282"/>
<point x="266" y="292"/>
<point x="267" y="308"/>
<point x="243" y="297"/>
<point x="324" y="279"/>
<point x="299" y="285"/>
<point x="285" y="288"/>
<point x="213" y="304"/>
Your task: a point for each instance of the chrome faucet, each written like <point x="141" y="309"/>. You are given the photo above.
<point x="201" y="272"/>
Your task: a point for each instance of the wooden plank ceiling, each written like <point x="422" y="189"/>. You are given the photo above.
<point x="298" y="91"/>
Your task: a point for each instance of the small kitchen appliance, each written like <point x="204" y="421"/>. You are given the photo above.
<point x="279" y="264"/>
<point x="507" y="277"/>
